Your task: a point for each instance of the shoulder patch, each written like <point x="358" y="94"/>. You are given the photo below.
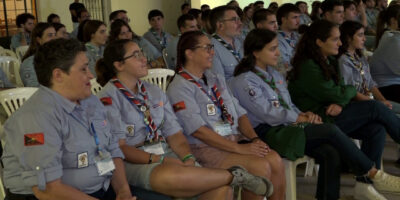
<point x="32" y="139"/>
<point x="179" y="106"/>
<point x="106" y="101"/>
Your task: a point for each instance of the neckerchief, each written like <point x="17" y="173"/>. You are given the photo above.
<point x="227" y="46"/>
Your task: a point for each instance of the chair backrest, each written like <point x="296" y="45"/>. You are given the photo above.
<point x="8" y="52"/>
<point x="159" y="77"/>
<point x="20" y="51"/>
<point x="12" y="99"/>
<point x="10" y="67"/>
<point x="96" y="87"/>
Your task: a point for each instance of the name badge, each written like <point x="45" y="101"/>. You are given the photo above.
<point x="104" y="163"/>
<point x="223" y="128"/>
<point x="83" y="160"/>
<point x="211" y="109"/>
<point x="155" y="148"/>
<point x="130" y="129"/>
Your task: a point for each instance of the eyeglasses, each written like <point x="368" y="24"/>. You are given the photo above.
<point x="207" y="47"/>
<point x="136" y="54"/>
<point x="234" y="19"/>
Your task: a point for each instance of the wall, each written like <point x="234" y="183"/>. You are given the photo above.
<point x="61" y="8"/>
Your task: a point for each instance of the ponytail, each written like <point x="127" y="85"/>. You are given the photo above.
<point x="104" y="72"/>
<point x="248" y="63"/>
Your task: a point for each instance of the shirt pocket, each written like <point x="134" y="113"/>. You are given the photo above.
<point x="75" y="147"/>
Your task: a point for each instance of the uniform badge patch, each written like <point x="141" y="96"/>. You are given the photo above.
<point x="83" y="160"/>
<point x="106" y="101"/>
<point x="252" y="93"/>
<point x="179" y="106"/>
<point x="211" y="109"/>
<point x="130" y="129"/>
<point x="33" y="139"/>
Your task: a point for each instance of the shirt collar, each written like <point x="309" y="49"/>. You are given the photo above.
<point x="66" y="104"/>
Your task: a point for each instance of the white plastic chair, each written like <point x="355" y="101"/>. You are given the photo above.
<point x="20" y="51"/>
<point x="159" y="77"/>
<point x="96" y="87"/>
<point x="8" y="52"/>
<point x="290" y="172"/>
<point x="12" y="99"/>
<point x="10" y="67"/>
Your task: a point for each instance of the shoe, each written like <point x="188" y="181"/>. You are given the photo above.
<point x="365" y="191"/>
<point x="256" y="184"/>
<point x="384" y="182"/>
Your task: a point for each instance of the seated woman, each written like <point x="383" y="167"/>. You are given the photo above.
<point x="157" y="154"/>
<point x="95" y="38"/>
<point x="212" y="119"/>
<point x="121" y="30"/>
<point x="58" y="144"/>
<point x="262" y="91"/>
<point x="315" y="85"/>
<point x="42" y="33"/>
<point x="61" y="31"/>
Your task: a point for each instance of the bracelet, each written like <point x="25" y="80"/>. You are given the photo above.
<point x="161" y="159"/>
<point x="151" y="158"/>
<point x="187" y="157"/>
<point x="254" y="138"/>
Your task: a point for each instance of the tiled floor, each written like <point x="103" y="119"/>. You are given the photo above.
<point x="306" y="186"/>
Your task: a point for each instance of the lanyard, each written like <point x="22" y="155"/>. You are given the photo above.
<point x="227" y="46"/>
<point x="91" y="130"/>
<point x="140" y="106"/>
<point x="272" y="84"/>
<point x="162" y="40"/>
<point x="216" y="99"/>
<point x="359" y="66"/>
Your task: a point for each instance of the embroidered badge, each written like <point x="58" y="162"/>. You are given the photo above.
<point x="106" y="101"/>
<point x="179" y="106"/>
<point x="211" y="109"/>
<point x="83" y="160"/>
<point x="33" y="139"/>
<point x="130" y="129"/>
<point x="160" y="104"/>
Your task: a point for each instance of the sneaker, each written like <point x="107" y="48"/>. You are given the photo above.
<point x="384" y="182"/>
<point x="365" y="191"/>
<point x="256" y="184"/>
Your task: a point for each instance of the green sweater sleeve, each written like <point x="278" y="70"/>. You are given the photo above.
<point x="325" y="91"/>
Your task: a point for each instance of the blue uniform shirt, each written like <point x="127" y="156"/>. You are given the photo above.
<point x="67" y="148"/>
<point x="93" y="53"/>
<point x="28" y="73"/>
<point x="287" y="47"/>
<point x="193" y="101"/>
<point x="127" y="122"/>
<point x="171" y="52"/>
<point x="224" y="62"/>
<point x="15" y="40"/>
<point x="148" y="49"/>
<point x="351" y="74"/>
<point x="257" y="97"/>
<point x="157" y="41"/>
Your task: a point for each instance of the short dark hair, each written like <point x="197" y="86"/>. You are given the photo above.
<point x="23" y="18"/>
<point x="261" y="15"/>
<point x="114" y="14"/>
<point x="204" y="6"/>
<point x="217" y="14"/>
<point x="80" y="11"/>
<point x="195" y="12"/>
<point x="57" y="26"/>
<point x="329" y="5"/>
<point x="298" y="3"/>
<point x="58" y="53"/>
<point x="284" y="10"/>
<point x="51" y="17"/>
<point x="183" y="18"/>
<point x="348" y="3"/>
<point x="258" y="2"/>
<point x="154" y="13"/>
<point x="90" y="28"/>
<point x="184" y="5"/>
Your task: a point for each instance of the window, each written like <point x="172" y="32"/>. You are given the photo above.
<point x="95" y="8"/>
<point x="9" y="9"/>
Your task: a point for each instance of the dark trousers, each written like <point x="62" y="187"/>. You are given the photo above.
<point x="391" y="92"/>
<point x="103" y="195"/>
<point x="369" y="121"/>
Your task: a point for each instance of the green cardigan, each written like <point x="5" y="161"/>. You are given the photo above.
<point x="310" y="91"/>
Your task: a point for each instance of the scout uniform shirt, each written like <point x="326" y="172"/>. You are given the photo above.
<point x="261" y="101"/>
<point x="28" y="73"/>
<point x="160" y="42"/>
<point x="51" y="138"/>
<point x="127" y="120"/>
<point x="226" y="57"/>
<point x="355" y="71"/>
<point x="93" y="53"/>
<point x="287" y="46"/>
<point x="148" y="49"/>
<point x="195" y="109"/>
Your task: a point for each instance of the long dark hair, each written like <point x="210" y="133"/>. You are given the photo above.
<point x="383" y="21"/>
<point x="91" y="28"/>
<point x="307" y="48"/>
<point x="347" y="31"/>
<point x="254" y="42"/>
<point x="114" y="51"/>
<point x="37" y="32"/>
<point x="116" y="27"/>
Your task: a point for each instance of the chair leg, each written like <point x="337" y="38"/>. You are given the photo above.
<point x="290" y="172"/>
<point x="309" y="167"/>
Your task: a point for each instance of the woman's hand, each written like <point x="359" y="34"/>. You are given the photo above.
<point x="257" y="148"/>
<point x="313" y="118"/>
<point x="387" y="104"/>
<point x="333" y="110"/>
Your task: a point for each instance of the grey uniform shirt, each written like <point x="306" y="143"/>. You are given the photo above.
<point x="224" y="62"/>
<point x="65" y="128"/>
<point x="194" y="115"/>
<point x="257" y="97"/>
<point x="148" y="49"/>
<point x="171" y="52"/>
<point x="16" y="40"/>
<point x="28" y="73"/>
<point x="351" y="74"/>
<point x="157" y="41"/>
<point x="4" y="82"/>
<point x="93" y="53"/>
<point x="287" y="47"/>
<point x="127" y="121"/>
